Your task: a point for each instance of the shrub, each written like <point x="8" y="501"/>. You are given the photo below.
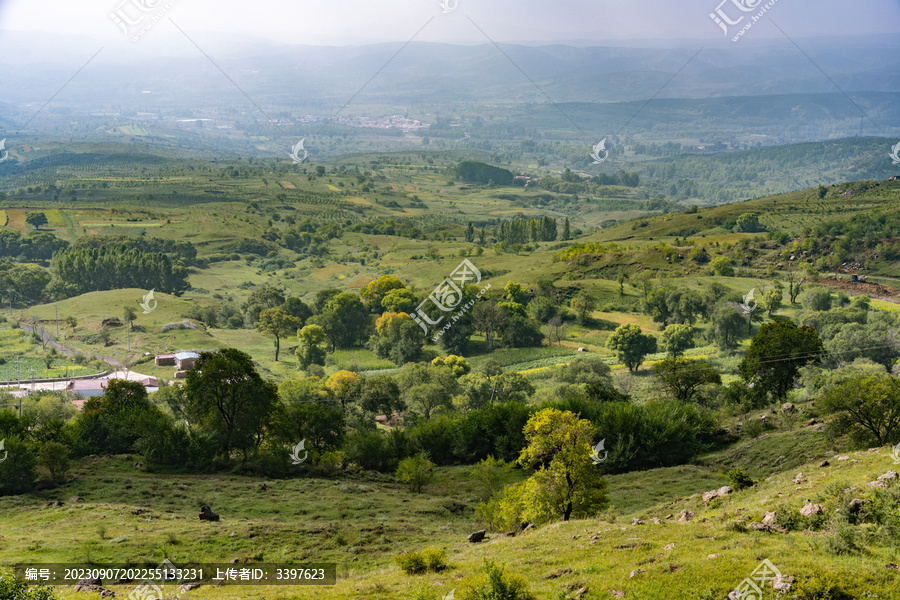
<point x="495" y="585"/>
<point x="739" y="480"/>
<point x="54" y="457"/>
<point x="422" y="561"/>
<point x="821" y="586"/>
<point x="415" y="471"/>
<point x="12" y="588"/>
<point x="17" y="472"/>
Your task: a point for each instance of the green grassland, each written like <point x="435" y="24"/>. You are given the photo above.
<point x="361" y="520"/>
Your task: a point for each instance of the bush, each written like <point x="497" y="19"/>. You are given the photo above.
<point x="54" y="457"/>
<point x="821" y="586"/>
<point x="17" y="472"/>
<point x="422" y="561"/>
<point x="369" y="450"/>
<point x="415" y="471"/>
<point x="12" y="588"/>
<point x="738" y="480"/>
<point x="495" y="585"/>
<point x="818" y="300"/>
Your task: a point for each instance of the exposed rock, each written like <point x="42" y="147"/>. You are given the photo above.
<point x="104" y="593"/>
<point x="656" y="521"/>
<point x="724" y="490"/>
<point x="55" y="503"/>
<point x="617" y="593"/>
<point x="685" y="516"/>
<point x="581" y="592"/>
<point x="477" y="536"/>
<point x="90" y="581"/>
<point x="856" y="504"/>
<point x="799" y="478"/>
<point x="636" y="521"/>
<point x="669" y="516"/>
<point x="811" y="509"/>
<point x="635" y="572"/>
<point x="877" y="485"/>
<point x="190" y="585"/>
<point x="812" y="422"/>
<point x="769" y="519"/>
<point x="670" y="546"/>
<point x="892" y="566"/>
<point x="889" y="475"/>
<point x="782" y="582"/>
<point x="76" y="499"/>
<point x="560" y="573"/>
<point x="845" y="457"/>
<point x="206" y="514"/>
<point x="824" y="463"/>
<point x="787" y="407"/>
<point x="710" y="495"/>
<point x="712" y="556"/>
<point x="757" y="526"/>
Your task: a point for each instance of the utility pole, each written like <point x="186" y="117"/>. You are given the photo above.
<point x="56" y="308"/>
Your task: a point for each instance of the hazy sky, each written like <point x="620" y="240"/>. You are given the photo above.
<point x="344" y="22"/>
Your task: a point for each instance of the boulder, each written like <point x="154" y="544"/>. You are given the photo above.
<point x="880" y="485"/>
<point x="787" y="407"/>
<point x="724" y="490"/>
<point x="757" y="527"/>
<point x="685" y="516"/>
<point x="798" y="478"/>
<point x="856" y="504"/>
<point x="190" y="585"/>
<point x="670" y="546"/>
<point x="636" y="521"/>
<point x="656" y="521"/>
<point x="712" y="556"/>
<point x="769" y="518"/>
<point x="811" y="509"/>
<point x="477" y="536"/>
<point x="889" y="475"/>
<point x="710" y="495"/>
<point x="782" y="582"/>
<point x="76" y="499"/>
<point x="206" y="514"/>
<point x="824" y="463"/>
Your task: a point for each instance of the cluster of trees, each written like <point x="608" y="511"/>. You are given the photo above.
<point x="80" y="269"/>
<point x="524" y="230"/>
<point x="478" y="172"/>
<point x="176" y="249"/>
<point x="305" y="237"/>
<point x="35" y="246"/>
